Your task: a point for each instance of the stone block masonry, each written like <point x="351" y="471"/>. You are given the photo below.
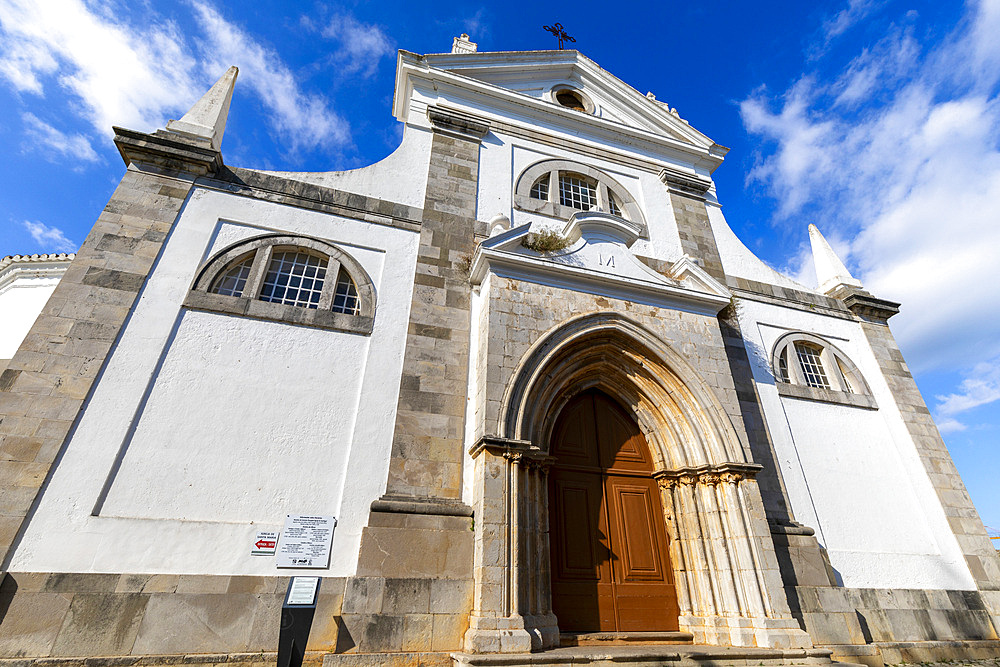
<point x="427" y="446"/>
<point x="44" y="386"/>
<point x="982" y="558"/>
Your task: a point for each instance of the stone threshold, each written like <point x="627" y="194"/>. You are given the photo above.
<point x="311" y="659"/>
<point x="679" y="655"/>
<point x="625" y="638"/>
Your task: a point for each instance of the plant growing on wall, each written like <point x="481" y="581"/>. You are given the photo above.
<point x="546" y="240"/>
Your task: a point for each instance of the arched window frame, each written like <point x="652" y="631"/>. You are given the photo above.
<point x="847" y="385"/>
<point x="552" y="169"/>
<point x="249" y="304"/>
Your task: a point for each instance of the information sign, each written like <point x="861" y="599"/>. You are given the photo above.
<point x="264" y="543"/>
<point x="306" y="541"/>
<point x="303" y="590"/>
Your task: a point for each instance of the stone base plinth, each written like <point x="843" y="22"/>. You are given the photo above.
<point x="777" y="633"/>
<point x="625" y="656"/>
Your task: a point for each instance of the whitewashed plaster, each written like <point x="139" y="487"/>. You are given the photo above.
<point x="229" y="396"/>
<point x="404" y="171"/>
<point x="853" y="474"/>
<point x="739" y="261"/>
<point x="24" y="289"/>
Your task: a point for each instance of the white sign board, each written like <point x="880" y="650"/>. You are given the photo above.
<point x="306" y="541"/>
<point x="264" y="543"/>
<point x="302" y="590"/>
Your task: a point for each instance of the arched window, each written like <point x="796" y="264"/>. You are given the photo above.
<point x="560" y="188"/>
<point x="293" y="279"/>
<point x="807" y="366"/>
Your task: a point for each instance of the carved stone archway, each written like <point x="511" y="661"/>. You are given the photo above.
<point x="728" y="586"/>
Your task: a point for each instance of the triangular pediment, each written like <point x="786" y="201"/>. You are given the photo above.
<point x="536" y="74"/>
<point x="598" y="259"/>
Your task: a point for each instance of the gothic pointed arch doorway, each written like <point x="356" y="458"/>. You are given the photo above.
<point x="611" y="567"/>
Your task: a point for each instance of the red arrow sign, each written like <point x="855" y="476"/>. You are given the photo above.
<point x="264" y="544"/>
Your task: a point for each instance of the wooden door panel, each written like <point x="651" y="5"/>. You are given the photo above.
<point x="577" y="534"/>
<point x="647" y="607"/>
<point x="638" y="536"/>
<point x="620" y="441"/>
<point x="610" y="564"/>
<point x="574" y="439"/>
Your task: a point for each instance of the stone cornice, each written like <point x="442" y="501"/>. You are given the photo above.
<point x="457" y="125"/>
<point x="870" y="308"/>
<point x="544" y="271"/>
<point x="509" y="448"/>
<point x="168" y="151"/>
<point x="46" y="257"/>
<point x="14" y="267"/>
<point x="513" y="108"/>
<point x="683" y="183"/>
<point x="417" y="505"/>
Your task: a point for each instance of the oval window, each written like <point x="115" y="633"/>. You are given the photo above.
<point x="570" y="99"/>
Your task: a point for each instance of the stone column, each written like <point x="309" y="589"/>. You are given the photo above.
<point x="420" y="530"/>
<point x="427" y="448"/>
<point x="729" y="591"/>
<point x="512" y="601"/>
<point x="50" y="376"/>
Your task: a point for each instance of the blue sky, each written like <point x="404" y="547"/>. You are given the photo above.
<point x="878" y="121"/>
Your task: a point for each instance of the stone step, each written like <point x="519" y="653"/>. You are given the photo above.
<point x="625" y="638"/>
<point x="692" y="655"/>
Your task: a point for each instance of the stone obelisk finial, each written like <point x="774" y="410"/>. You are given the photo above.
<point x="207" y="118"/>
<point x="831" y="273"/>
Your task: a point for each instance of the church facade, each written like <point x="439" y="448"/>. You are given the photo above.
<point x="547" y="394"/>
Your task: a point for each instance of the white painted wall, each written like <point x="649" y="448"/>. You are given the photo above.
<point x="208" y="427"/>
<point x="401" y="177"/>
<point x="853" y="474"/>
<point x="24" y="289"/>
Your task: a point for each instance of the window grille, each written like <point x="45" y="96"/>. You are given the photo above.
<point x="540" y="190"/>
<point x="576" y="192"/>
<point x="613" y="208"/>
<point x="812" y="366"/>
<point x="783" y="366"/>
<point x="294" y="278"/>
<point x="846" y="378"/>
<point x="234" y="280"/>
<point x="345" y="297"/>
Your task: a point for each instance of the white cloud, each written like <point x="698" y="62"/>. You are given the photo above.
<point x="122" y="74"/>
<point x="303" y="120"/>
<point x="50" y="238"/>
<point x="139" y="76"/>
<point x="846" y="18"/>
<point x="980" y="387"/>
<point x="911" y="176"/>
<point x="362" y="45"/>
<point x="75" y="146"/>
<point x="949" y="425"/>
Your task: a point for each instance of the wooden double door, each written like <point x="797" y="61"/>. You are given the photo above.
<point x="610" y="563"/>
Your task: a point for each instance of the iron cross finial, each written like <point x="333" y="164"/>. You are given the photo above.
<point x="557" y="30"/>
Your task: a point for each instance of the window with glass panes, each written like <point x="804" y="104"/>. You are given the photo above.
<point x="812" y="366"/>
<point x="234" y="280"/>
<point x="294" y="278"/>
<point x="577" y="192"/>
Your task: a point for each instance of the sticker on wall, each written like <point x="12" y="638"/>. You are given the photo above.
<point x="306" y="541"/>
<point x="265" y="542"/>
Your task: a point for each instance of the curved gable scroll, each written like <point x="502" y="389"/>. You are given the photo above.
<point x="284" y="278"/>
